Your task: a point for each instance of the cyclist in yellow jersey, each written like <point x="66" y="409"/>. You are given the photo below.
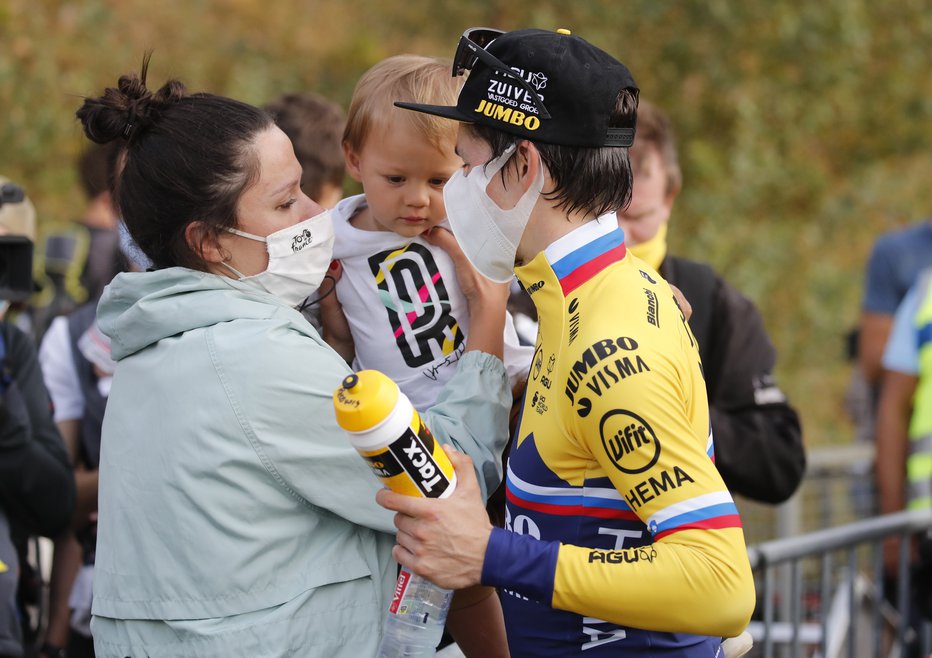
<point x="621" y="537"/>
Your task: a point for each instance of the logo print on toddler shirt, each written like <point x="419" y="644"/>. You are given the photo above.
<point x="417" y="302"/>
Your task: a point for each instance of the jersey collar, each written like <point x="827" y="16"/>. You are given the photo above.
<point x="579" y="255"/>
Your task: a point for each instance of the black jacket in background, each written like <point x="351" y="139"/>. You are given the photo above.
<point x="37" y="490"/>
<point x="758" y="440"/>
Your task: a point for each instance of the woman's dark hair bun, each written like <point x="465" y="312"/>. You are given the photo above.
<point x="128" y="110"/>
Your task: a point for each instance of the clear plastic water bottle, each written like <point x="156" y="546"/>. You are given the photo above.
<point x="415" y="621"/>
<point x="388" y="432"/>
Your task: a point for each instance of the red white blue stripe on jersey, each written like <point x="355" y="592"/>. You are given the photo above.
<point x="600" y="502"/>
<point x="582" y="254"/>
<point x="712" y="511"/>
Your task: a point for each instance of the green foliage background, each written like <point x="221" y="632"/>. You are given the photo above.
<point x="804" y="127"/>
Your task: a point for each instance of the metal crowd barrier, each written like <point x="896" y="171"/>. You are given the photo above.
<point x="838" y="488"/>
<point x="836" y="607"/>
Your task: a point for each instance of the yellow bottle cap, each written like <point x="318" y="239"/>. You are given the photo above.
<point x="365" y="399"/>
<point x="563" y="30"/>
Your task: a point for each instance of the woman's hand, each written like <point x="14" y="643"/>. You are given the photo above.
<point x="486" y="298"/>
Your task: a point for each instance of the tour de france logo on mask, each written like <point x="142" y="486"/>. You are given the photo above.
<point x="300" y="241"/>
<point x="509" y="102"/>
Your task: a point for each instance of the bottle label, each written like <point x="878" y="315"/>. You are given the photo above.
<point x="398" y="596"/>
<point x="414" y="464"/>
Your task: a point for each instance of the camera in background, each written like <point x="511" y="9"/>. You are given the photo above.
<point x="17" y="235"/>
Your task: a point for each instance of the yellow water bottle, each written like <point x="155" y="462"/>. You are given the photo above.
<point x="389" y="434"/>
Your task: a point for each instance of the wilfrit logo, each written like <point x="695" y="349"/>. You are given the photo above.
<point x="414" y="454"/>
<point x="629" y="441"/>
<point x="302" y="240"/>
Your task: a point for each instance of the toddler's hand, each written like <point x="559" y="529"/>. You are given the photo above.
<point x="335" y="328"/>
<point x="486" y="298"/>
<point x="475" y="287"/>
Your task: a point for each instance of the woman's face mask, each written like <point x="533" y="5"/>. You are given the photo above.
<point x="298" y="258"/>
<point x="489" y="235"/>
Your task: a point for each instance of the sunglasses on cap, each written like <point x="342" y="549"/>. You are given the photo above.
<point x="472" y="48"/>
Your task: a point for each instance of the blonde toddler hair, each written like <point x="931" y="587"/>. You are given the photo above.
<point x="411" y="78"/>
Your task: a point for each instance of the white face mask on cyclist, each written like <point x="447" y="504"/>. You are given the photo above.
<point x="298" y="258"/>
<point x="489" y="235"/>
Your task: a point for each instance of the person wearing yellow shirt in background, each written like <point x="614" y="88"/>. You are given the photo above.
<point x="759" y="447"/>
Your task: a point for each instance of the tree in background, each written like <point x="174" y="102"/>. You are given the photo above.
<point x="803" y="126"/>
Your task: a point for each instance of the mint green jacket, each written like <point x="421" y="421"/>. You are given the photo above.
<point x="235" y="518"/>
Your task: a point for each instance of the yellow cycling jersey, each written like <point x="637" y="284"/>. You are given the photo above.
<point x="621" y="537"/>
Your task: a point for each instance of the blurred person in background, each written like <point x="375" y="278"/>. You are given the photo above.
<point x="903" y="463"/>
<point x="315" y="127"/>
<point x="758" y="439"/>
<point x="895" y="261"/>
<point x="105" y="260"/>
<point x="80" y="261"/>
<point x="78" y="370"/>
<point x="37" y="490"/>
<point x="759" y="449"/>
